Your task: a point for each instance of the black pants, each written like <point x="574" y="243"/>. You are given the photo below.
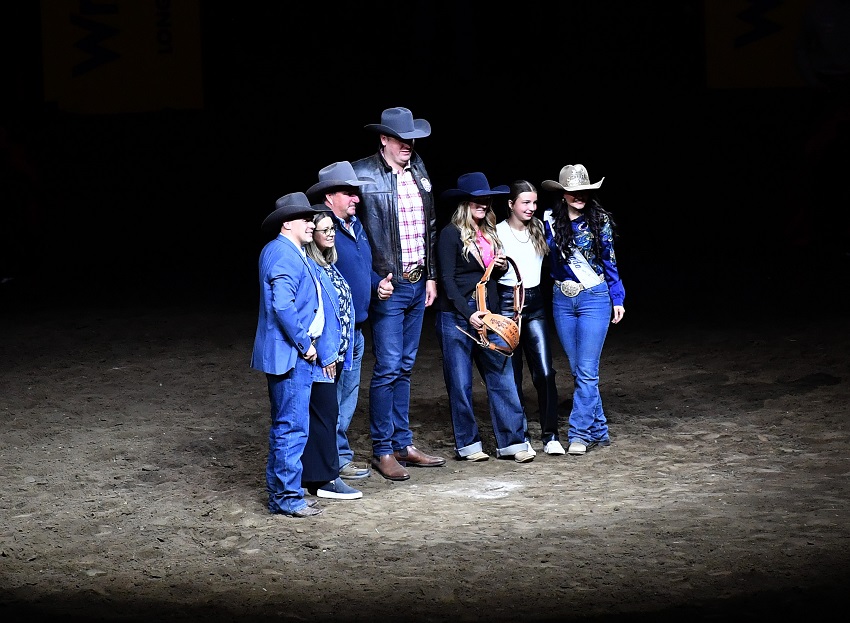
<point x="535" y="346"/>
<point x="321" y="459"/>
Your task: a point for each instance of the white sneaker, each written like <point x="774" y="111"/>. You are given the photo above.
<point x="554" y="447"/>
<point x="530" y="450"/>
<point x="577" y="448"/>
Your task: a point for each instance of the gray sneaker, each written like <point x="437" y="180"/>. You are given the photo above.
<point x="311" y="510"/>
<point x="350" y="471"/>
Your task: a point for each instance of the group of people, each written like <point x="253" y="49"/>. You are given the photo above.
<point x="362" y="244"/>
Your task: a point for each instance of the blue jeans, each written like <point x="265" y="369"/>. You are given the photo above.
<point x="535" y="345"/>
<point x="459" y="354"/>
<point x="289" y="396"/>
<point x="347" y="392"/>
<point x="396" y="329"/>
<point x="582" y="324"/>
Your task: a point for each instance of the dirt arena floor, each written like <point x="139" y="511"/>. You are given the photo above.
<point x="134" y="442"/>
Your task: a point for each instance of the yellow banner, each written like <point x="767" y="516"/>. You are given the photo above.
<point x="121" y="55"/>
<point x="750" y="43"/>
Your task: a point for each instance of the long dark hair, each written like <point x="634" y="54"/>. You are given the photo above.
<point x="594" y="214"/>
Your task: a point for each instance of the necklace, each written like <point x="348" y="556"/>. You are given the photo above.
<point x="527" y="234"/>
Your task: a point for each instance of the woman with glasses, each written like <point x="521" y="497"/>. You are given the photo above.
<point x="466" y="247"/>
<point x="321" y="460"/>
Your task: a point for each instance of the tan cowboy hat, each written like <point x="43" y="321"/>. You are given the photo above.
<point x="288" y="208"/>
<point x="399" y="122"/>
<point x="337" y="175"/>
<point x="572" y="177"/>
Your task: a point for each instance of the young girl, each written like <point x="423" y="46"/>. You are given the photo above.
<point x="525" y="243"/>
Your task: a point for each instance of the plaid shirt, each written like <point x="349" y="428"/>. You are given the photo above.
<point x="411" y="221"/>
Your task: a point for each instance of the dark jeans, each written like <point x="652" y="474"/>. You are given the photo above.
<point x="396" y="329"/>
<point x="460" y="354"/>
<point x="289" y="396"/>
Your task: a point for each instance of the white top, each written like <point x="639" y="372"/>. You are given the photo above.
<point x="318" y="324"/>
<point x="520" y="248"/>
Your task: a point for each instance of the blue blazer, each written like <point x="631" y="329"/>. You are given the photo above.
<point x="289" y="301"/>
<point x="327" y="345"/>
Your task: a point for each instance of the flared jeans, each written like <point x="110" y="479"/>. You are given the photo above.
<point x="582" y="324"/>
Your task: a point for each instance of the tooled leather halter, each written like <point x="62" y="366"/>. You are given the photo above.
<point x="506" y="328"/>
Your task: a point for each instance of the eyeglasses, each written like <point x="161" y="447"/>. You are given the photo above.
<point x="327" y="231"/>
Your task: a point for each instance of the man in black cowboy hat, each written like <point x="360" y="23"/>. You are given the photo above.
<point x="290" y="319"/>
<point x="338" y="189"/>
<point x="399" y="217"/>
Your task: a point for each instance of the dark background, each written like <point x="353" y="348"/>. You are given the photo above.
<point x="125" y="211"/>
<point x="165" y="207"/>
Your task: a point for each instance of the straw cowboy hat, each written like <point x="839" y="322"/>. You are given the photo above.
<point x="572" y="177"/>
<point x="399" y="122"/>
<point x="337" y="175"/>
<point x="288" y="208"/>
<point x="471" y="185"/>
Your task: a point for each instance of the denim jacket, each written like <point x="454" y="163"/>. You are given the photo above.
<point x="327" y="344"/>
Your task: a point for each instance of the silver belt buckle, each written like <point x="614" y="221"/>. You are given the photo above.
<point x="415" y="275"/>
<point x="570" y="288"/>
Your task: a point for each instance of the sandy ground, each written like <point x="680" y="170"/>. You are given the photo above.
<point x="134" y="443"/>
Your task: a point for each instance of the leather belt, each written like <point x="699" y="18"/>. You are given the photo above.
<point x="414" y="275"/>
<point x="570" y="288"/>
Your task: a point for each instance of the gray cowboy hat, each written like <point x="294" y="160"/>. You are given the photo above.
<point x="337" y="175"/>
<point x="288" y="208"/>
<point x="572" y="177"/>
<point x="399" y="122"/>
<point x="471" y="185"/>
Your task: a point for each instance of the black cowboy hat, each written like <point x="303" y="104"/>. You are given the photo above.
<point x="399" y="122"/>
<point x="289" y="208"/>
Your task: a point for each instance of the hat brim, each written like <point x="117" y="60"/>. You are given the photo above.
<point x="328" y="184"/>
<point x="273" y="221"/>
<point x="457" y="193"/>
<point x="553" y="185"/>
<point x="421" y="129"/>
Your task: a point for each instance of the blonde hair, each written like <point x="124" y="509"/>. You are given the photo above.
<point x="462" y="219"/>
<point x="322" y="257"/>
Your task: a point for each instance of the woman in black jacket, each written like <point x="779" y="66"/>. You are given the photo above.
<point x="465" y="248"/>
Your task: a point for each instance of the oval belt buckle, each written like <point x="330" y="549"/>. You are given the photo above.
<point x="415" y="275"/>
<point x="570" y="288"/>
